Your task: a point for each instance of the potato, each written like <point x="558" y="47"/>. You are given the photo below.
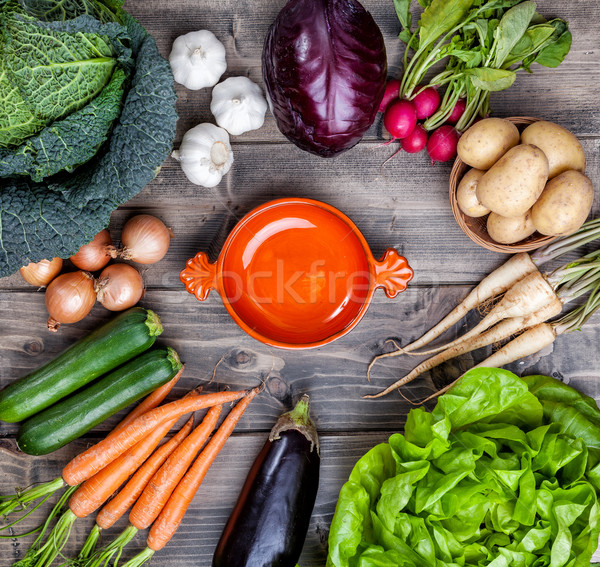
<point x="510" y="230"/>
<point x="562" y="148"/>
<point x="564" y="205"/>
<point x="466" y="194"/>
<point x="484" y="143"/>
<point x="515" y="181"/>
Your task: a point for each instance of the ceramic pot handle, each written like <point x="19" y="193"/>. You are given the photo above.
<point x="392" y="273"/>
<point x="199" y="276"/>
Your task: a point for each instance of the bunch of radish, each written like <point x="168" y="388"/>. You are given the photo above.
<point x="404" y="120"/>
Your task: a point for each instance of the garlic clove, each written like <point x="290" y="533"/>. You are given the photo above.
<point x="197" y="59"/>
<point x="205" y="154"/>
<point x="238" y="105"/>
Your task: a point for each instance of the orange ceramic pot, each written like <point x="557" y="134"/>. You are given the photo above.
<point x="296" y="273"/>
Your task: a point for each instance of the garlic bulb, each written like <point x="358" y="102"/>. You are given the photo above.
<point x="238" y="105"/>
<point x="205" y="154"/>
<point x="197" y="60"/>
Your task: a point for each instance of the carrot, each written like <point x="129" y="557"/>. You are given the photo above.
<point x="169" y="519"/>
<point x="499" y="332"/>
<point x="22" y="499"/>
<point x="85" y="465"/>
<point x="116" y="507"/>
<point x="159" y="489"/>
<point x="172" y="514"/>
<point x="150" y="401"/>
<point x="96" y="490"/>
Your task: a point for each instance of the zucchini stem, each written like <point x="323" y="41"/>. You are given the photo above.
<point x="153" y="323"/>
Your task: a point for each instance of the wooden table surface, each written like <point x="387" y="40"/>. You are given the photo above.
<point x="403" y="204"/>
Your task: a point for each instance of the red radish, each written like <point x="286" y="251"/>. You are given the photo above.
<point x="400" y="118"/>
<point x="442" y="143"/>
<point x="392" y="91"/>
<point x="457" y="111"/>
<point x="415" y="141"/>
<point x="426" y="103"/>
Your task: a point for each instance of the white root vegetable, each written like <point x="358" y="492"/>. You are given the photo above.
<point x="531" y="341"/>
<point x="501" y="331"/>
<point x="525" y="297"/>
<point x="500" y="280"/>
<point x="563" y="285"/>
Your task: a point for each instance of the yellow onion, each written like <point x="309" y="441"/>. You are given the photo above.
<point x="41" y="273"/>
<point x="69" y="298"/>
<point x="145" y="239"/>
<point x="95" y="254"/>
<point x="119" y="287"/>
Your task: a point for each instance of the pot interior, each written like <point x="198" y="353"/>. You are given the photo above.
<point x="295" y="273"/>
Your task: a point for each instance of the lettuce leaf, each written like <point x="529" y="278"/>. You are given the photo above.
<point x="53" y="200"/>
<point x="503" y="472"/>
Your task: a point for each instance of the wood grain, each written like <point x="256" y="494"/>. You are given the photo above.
<point x="195" y="541"/>
<point x="401" y="204"/>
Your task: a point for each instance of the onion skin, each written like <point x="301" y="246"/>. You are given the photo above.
<point x="324" y="67"/>
<point x="96" y="254"/>
<point x="41" y="273"/>
<point x="119" y="287"/>
<point x="145" y="239"/>
<point x="69" y="298"/>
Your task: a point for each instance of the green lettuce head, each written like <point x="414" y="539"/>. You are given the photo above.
<point x="503" y="472"/>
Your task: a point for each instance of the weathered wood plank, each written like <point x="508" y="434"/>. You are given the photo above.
<point x="196" y="539"/>
<point x="403" y="205"/>
<point x="333" y="375"/>
<point x="242" y="25"/>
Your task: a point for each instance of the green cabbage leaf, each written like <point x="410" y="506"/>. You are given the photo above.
<point x="503" y="472"/>
<point x="87" y="118"/>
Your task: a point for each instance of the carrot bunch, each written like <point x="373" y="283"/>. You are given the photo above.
<point x="167" y="496"/>
<point x="94" y="475"/>
<point x="22" y="499"/>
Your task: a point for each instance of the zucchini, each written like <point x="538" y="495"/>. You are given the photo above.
<point x="71" y="418"/>
<point x="124" y="337"/>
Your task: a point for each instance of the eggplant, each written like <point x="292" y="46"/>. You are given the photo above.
<point x="269" y="522"/>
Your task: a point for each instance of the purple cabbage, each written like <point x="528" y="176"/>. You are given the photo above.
<point x="324" y="66"/>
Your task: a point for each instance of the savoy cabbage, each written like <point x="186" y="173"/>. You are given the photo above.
<point x="87" y="117"/>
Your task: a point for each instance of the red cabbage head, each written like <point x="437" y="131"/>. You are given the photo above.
<point x="324" y="67"/>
